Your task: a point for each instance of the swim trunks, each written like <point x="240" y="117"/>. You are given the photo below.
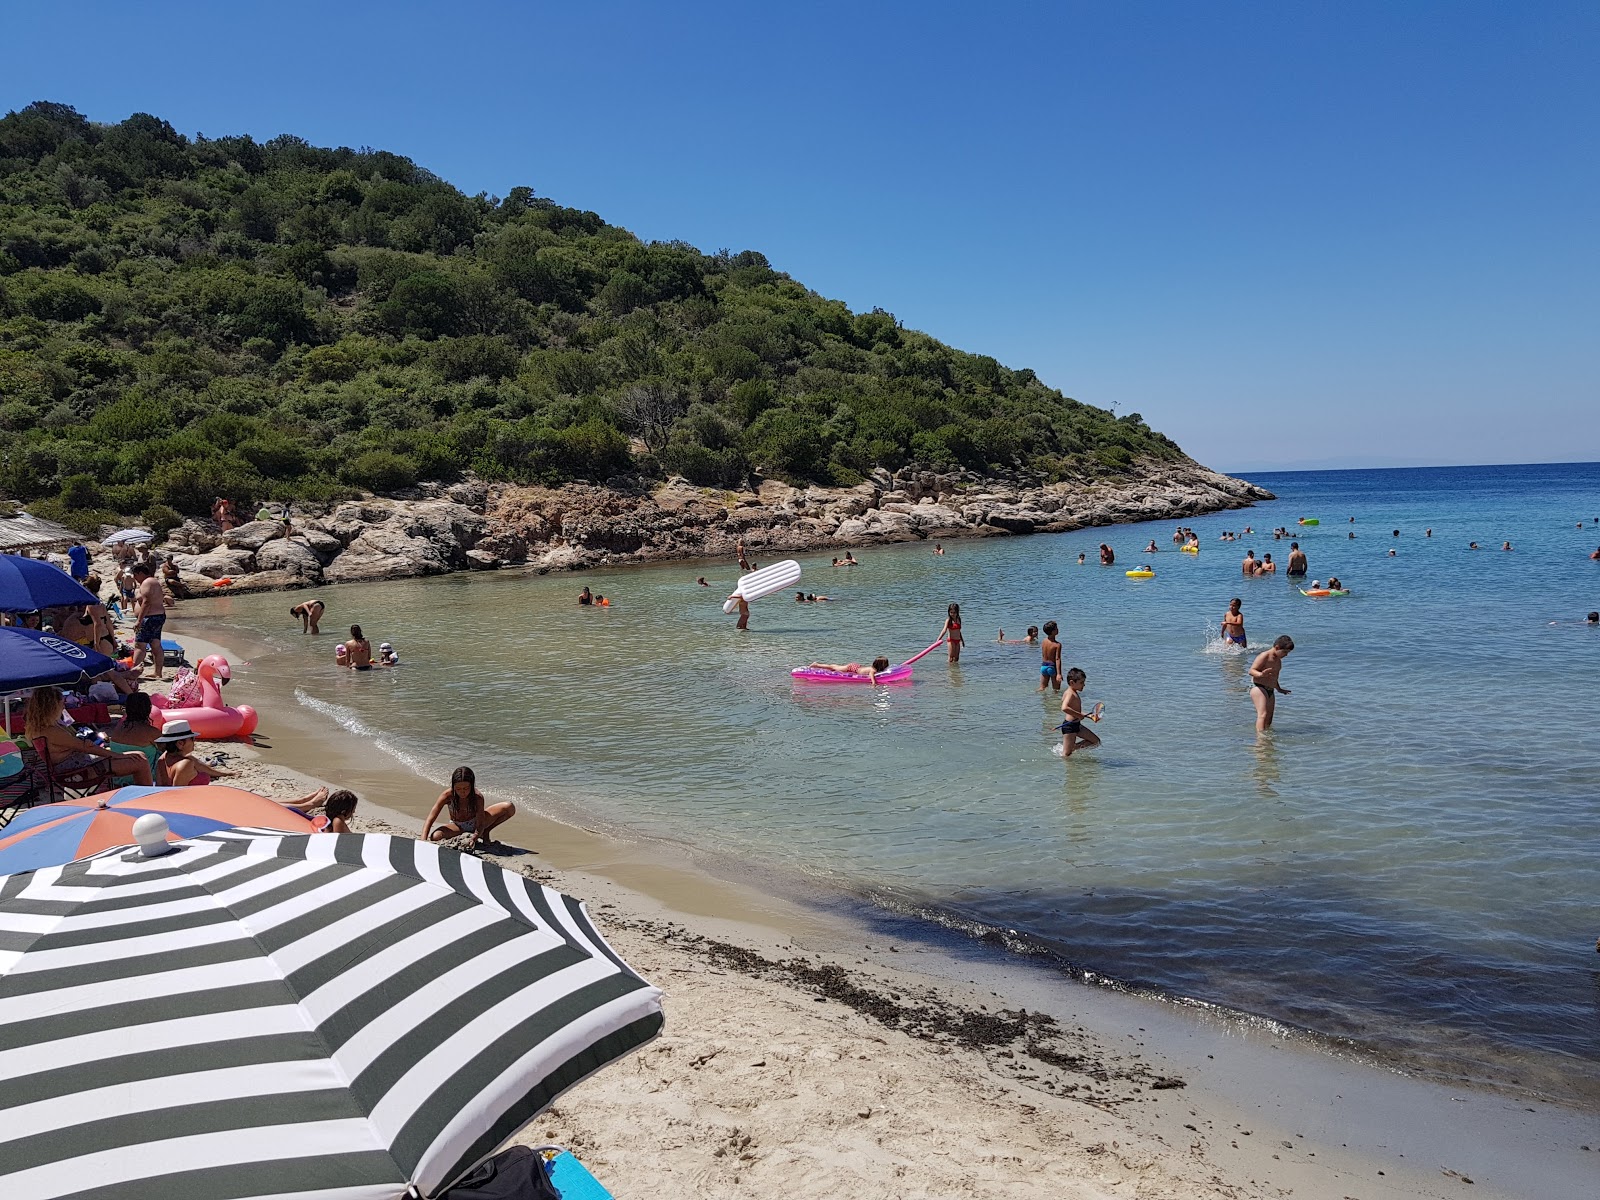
<point x="1070" y="726"/>
<point x="1048" y="670"/>
<point x="149" y="631"/>
<point x="1237" y="641"/>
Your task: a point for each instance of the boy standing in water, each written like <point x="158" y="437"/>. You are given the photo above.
<point x="1264" y="680"/>
<point x="1050" y="649"/>
<point x="1233" y="623"/>
<point x="1073" y="735"/>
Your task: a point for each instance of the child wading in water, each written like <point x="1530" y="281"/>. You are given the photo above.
<point x="1073" y="735"/>
<point x="1233" y="623"/>
<point x="1050" y="651"/>
<point x="1264" y="680"/>
<point x="952" y="631"/>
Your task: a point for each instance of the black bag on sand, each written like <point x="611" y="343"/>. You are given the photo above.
<point x="519" y="1173"/>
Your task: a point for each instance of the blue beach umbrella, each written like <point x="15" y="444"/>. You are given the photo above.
<point x="30" y="659"/>
<point x="27" y="584"/>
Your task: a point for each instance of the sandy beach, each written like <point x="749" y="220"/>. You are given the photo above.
<point x="810" y="1052"/>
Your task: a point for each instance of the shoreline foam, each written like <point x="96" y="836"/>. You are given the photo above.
<point x="801" y="1044"/>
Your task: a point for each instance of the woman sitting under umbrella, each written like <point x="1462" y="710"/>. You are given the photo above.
<point x="76" y="761"/>
<point x="177" y="766"/>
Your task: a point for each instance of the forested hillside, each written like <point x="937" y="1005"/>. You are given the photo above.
<point x="183" y="318"/>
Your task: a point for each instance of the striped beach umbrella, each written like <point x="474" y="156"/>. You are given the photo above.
<point x="52" y="834"/>
<point x="345" y="1016"/>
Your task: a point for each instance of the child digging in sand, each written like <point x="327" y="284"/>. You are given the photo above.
<point x="1073" y="735"/>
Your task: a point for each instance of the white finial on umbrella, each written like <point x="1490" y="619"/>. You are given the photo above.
<point x="150" y="831"/>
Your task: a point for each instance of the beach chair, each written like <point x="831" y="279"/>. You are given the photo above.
<point x="172" y="654"/>
<point x="66" y="785"/>
<point x="18" y="788"/>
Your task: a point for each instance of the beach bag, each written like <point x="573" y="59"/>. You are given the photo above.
<point x="519" y="1173"/>
<point x="185" y="691"/>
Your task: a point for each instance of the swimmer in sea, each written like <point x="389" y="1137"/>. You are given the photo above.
<point x="702" y="581"/>
<point x="1107" y="555"/>
<point x="1505" y="545"/>
<point x="1249" y="565"/>
<point x="309" y="612"/>
<point x="1151" y="548"/>
<point x="744" y="611"/>
<point x="1082" y="558"/>
<point x="1334" y="585"/>
<point x="358" y="651"/>
<point x="869" y="673"/>
<point x="1264" y="685"/>
<point x="1031" y="639"/>
<point x="1595" y="557"/>
<point x="1392" y="554"/>
<point x="799" y="597"/>
<point x="951" y="633"/>
<point x="1592" y="619"/>
<point x="1233" y="623"/>
<point x="1050" y="652"/>
<point x="1267" y="567"/>
<point x="586" y="597"/>
<point x="937" y="548"/>
<point x="813" y="598"/>
<point x="1073" y="735"/>
<point x="1472" y="545"/>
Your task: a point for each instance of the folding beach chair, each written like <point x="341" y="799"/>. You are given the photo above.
<point x="66" y="785"/>
<point x="18" y="788"/>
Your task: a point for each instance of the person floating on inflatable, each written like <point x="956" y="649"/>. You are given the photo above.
<point x="870" y="674"/>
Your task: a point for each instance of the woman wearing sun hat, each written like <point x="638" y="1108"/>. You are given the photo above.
<point x="177" y="766"/>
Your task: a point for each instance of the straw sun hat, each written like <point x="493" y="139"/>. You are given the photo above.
<point x="173" y="732"/>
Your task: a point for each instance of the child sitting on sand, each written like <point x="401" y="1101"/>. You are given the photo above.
<point x="1073" y="735"/>
<point x="869" y="673"/>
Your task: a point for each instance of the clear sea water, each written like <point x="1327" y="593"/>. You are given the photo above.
<point x="1409" y="861"/>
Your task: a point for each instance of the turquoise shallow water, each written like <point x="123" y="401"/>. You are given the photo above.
<point x="1408" y="860"/>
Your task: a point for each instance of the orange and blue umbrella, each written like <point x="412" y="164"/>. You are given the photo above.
<point x="52" y="835"/>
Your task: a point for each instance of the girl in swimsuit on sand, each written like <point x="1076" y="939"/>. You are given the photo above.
<point x="469" y="813"/>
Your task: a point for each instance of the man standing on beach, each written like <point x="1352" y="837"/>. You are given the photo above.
<point x="79" y="558"/>
<point x="1297" y="560"/>
<point x="1264" y="684"/>
<point x="150" y="611"/>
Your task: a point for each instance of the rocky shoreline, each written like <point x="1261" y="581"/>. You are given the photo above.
<point x="478" y="526"/>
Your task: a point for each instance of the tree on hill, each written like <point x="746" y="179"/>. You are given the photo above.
<point x="183" y="317"/>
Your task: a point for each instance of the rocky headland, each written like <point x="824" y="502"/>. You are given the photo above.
<point x="478" y="526"/>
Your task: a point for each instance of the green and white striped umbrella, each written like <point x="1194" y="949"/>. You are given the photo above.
<point x="257" y="1015"/>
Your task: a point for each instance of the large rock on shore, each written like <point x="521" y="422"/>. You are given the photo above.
<point x="477" y="526"/>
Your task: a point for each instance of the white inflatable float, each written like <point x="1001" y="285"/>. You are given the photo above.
<point x="776" y="578"/>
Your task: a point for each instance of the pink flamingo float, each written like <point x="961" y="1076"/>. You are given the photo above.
<point x="211" y="718"/>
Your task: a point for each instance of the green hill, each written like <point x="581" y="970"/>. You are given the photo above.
<point x="183" y="318"/>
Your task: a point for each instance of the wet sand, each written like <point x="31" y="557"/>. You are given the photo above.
<point x="812" y="1048"/>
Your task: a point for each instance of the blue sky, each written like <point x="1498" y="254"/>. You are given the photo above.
<point x="1337" y="233"/>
